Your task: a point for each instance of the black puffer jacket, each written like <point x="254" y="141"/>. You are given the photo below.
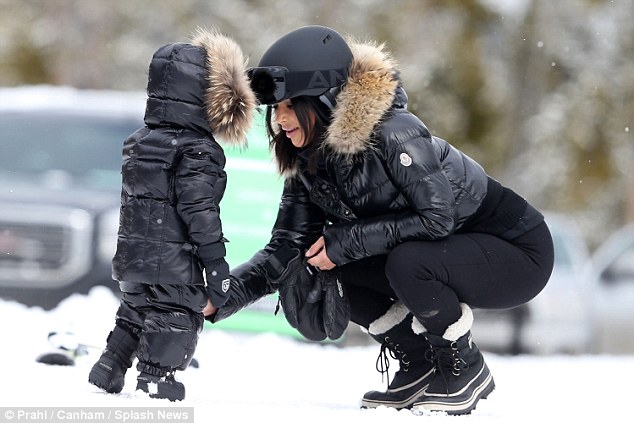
<point x="173" y="177"/>
<point x="395" y="182"/>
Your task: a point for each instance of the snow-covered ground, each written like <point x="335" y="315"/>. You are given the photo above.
<point x="265" y="378"/>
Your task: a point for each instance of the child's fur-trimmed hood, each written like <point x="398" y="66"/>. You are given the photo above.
<point x="230" y="102"/>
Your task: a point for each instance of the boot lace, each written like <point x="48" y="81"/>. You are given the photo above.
<point x="447" y="360"/>
<point x="393" y="350"/>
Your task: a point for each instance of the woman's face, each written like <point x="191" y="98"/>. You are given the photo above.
<point x="286" y="118"/>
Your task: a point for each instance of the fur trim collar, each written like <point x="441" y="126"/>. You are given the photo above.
<point x="367" y="95"/>
<point x="230" y="102"/>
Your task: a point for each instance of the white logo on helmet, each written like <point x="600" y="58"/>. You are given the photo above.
<point x="406" y="160"/>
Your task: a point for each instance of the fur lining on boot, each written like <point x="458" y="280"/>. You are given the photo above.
<point x="392" y="317"/>
<point x="418" y="327"/>
<point x="461" y="326"/>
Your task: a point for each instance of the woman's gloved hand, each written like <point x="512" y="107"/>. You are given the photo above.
<point x="288" y="272"/>
<point x="335" y="304"/>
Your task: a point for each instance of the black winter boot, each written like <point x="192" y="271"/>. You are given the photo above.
<point x="462" y="377"/>
<point x="163" y="387"/>
<point x="108" y="373"/>
<point x="394" y="331"/>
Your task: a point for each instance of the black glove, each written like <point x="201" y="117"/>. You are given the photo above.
<point x="288" y="272"/>
<point x="335" y="304"/>
<point x="216" y="272"/>
<point x="218" y="282"/>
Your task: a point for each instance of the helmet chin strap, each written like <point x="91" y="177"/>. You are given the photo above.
<point x="329" y="98"/>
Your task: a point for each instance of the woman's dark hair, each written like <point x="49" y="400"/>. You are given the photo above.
<point x="285" y="152"/>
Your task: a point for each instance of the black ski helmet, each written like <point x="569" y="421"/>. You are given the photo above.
<point x="308" y="61"/>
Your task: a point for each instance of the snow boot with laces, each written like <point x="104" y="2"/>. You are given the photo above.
<point x="394" y="332"/>
<point x="462" y="377"/>
<point x="108" y="373"/>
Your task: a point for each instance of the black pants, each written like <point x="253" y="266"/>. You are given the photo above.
<point x="168" y="319"/>
<point x="432" y="278"/>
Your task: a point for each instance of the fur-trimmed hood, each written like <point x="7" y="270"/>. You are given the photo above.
<point x="202" y="85"/>
<point x="368" y="94"/>
<point x="229" y="100"/>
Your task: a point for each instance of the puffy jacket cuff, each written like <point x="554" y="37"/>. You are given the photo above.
<point x="211" y="252"/>
<point x="334" y="246"/>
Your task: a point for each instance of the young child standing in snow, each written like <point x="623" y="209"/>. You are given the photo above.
<point x="169" y="225"/>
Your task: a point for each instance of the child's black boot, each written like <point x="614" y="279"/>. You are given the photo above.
<point x="108" y="373"/>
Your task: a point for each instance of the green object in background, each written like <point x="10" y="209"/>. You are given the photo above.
<point x="251" y="200"/>
<point x="248" y="211"/>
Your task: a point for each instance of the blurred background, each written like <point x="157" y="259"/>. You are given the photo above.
<point x="541" y="93"/>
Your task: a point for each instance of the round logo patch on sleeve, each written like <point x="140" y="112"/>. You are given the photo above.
<point x="406" y="160"/>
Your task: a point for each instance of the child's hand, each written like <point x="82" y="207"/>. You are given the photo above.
<point x="209" y="309"/>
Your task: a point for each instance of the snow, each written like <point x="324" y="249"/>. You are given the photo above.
<point x="265" y="377"/>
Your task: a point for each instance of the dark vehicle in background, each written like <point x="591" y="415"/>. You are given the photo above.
<point x="60" y="161"/>
<point x="60" y="184"/>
